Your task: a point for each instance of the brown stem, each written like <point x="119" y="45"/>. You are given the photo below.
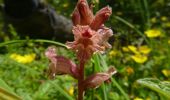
<point x="80" y="80"/>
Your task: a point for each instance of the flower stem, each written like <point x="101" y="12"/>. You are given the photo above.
<point x="80" y="80"/>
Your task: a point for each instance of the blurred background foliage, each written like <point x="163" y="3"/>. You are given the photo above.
<point x="141" y="48"/>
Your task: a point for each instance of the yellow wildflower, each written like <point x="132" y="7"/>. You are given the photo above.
<point x="168" y="41"/>
<point x="144" y="49"/>
<point x="152" y="33"/>
<point x="139" y="58"/>
<point x="129" y="70"/>
<point x="164" y="18"/>
<point x="153" y="20"/>
<point x="148" y="98"/>
<point x="125" y="49"/>
<point x="113" y="53"/>
<point x="71" y="90"/>
<point x="137" y="98"/>
<point x="28" y="58"/>
<point x="166" y="72"/>
<point x="133" y="49"/>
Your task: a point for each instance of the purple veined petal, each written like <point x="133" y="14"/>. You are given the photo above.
<point x="97" y="79"/>
<point x="63" y="66"/>
<point x="105" y="33"/>
<point x="60" y="65"/>
<point x="100" y="17"/>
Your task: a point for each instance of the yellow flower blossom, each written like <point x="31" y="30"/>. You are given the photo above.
<point x="168" y="41"/>
<point x="139" y="58"/>
<point x="129" y="70"/>
<point x="137" y="98"/>
<point x="133" y="49"/>
<point x="152" y="33"/>
<point x="125" y="49"/>
<point x="28" y="58"/>
<point x="153" y="20"/>
<point x="144" y="49"/>
<point x="166" y="72"/>
<point x="148" y="98"/>
<point x="164" y="18"/>
<point x="113" y="53"/>
<point x="71" y="90"/>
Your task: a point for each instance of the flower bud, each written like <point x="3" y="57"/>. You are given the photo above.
<point x="76" y="17"/>
<point x="100" y="17"/>
<point x="85" y="12"/>
<point x="60" y="65"/>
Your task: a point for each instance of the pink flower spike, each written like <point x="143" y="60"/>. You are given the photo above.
<point x="60" y="65"/>
<point x="97" y="79"/>
<point x="100" y="17"/>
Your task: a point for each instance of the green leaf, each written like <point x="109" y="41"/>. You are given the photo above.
<point x="6" y="92"/>
<point x="61" y="90"/>
<point x="156" y="85"/>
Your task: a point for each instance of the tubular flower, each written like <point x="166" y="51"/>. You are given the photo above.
<point x="97" y="79"/>
<point x="86" y="41"/>
<point x="83" y="15"/>
<point x="60" y="64"/>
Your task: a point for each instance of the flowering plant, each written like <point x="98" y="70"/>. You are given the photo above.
<point x="90" y="36"/>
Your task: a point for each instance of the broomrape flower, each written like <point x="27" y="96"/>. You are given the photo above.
<point x="90" y="36"/>
<point x="60" y="65"/>
<point x="27" y="58"/>
<point x="152" y="33"/>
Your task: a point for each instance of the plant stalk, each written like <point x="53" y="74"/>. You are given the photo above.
<point x="80" y="80"/>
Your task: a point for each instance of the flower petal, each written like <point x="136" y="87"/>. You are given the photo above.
<point x="97" y="79"/>
<point x="60" y="64"/>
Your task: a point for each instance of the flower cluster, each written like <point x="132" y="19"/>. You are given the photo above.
<point x="140" y="54"/>
<point x="27" y="58"/>
<point x="90" y="34"/>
